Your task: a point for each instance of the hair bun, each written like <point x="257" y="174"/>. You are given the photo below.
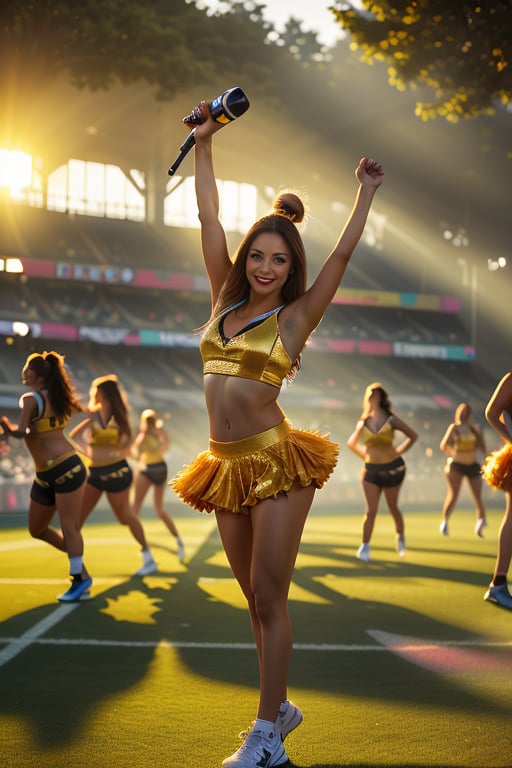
<point x="290" y="205"/>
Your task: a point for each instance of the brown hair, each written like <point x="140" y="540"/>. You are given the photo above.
<point x="50" y="367"/>
<point x="384" y="403"/>
<point x="112" y="390"/>
<point x="287" y="211"/>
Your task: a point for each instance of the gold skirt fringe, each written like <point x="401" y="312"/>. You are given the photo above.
<point x="497" y="469"/>
<point x="235" y="476"/>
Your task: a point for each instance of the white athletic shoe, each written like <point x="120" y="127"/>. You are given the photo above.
<point x="479" y="527"/>
<point x="363" y="553"/>
<point x="289" y="717"/>
<point x="181" y="552"/>
<point x="258" y="751"/>
<point x="400" y="545"/>
<point x="147" y="568"/>
<point x="443" y="527"/>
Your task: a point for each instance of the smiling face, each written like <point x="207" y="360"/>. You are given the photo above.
<point x="268" y="263"/>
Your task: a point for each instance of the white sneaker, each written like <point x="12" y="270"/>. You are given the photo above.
<point x="181" y="552"/>
<point x="400" y="545"/>
<point x="443" y="528"/>
<point x="479" y="527"/>
<point x="363" y="553"/>
<point x="147" y="568"/>
<point x="288" y="718"/>
<point x="258" y="751"/>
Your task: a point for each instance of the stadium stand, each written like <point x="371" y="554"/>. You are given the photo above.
<point x="125" y="297"/>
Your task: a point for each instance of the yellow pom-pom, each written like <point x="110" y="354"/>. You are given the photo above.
<point x="497" y="468"/>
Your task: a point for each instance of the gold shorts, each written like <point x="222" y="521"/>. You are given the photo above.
<point x="235" y="476"/>
<point x="497" y="469"/>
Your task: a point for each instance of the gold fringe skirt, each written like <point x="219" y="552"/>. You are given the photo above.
<point x="497" y="469"/>
<point x="235" y="476"/>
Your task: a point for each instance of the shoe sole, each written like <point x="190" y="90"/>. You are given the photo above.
<point x="85" y="595"/>
<point x="144" y="572"/>
<point x="493" y="600"/>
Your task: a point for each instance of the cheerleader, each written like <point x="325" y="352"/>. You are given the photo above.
<point x="149" y="448"/>
<point x="497" y="471"/>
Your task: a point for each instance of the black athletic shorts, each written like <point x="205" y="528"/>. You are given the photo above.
<point x="64" y="477"/>
<point x="385" y="475"/>
<point x="113" y="478"/>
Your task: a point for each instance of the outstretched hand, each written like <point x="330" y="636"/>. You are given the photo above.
<point x="369" y="172"/>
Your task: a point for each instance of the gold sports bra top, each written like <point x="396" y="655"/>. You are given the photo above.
<point x="384" y="436"/>
<point x="150" y="450"/>
<point x="42" y="423"/>
<point x="464" y="442"/>
<point x="103" y="434"/>
<point x="256" y="352"/>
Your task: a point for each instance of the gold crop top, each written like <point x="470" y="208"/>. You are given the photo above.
<point x="464" y="442"/>
<point x="150" y="450"/>
<point x="382" y="438"/>
<point x="256" y="353"/>
<point x="43" y="423"/>
<point x="104" y="435"/>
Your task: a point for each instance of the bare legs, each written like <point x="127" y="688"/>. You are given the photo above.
<point x="372" y="495"/>
<point x="262" y="548"/>
<point x="120" y="504"/>
<point x="142" y="486"/>
<point x="454" y="482"/>
<point x="69" y="539"/>
<point x="505" y="541"/>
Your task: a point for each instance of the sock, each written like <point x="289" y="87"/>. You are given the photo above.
<point x="499" y="579"/>
<point x="147" y="557"/>
<point x="75" y="566"/>
<point x="265" y="726"/>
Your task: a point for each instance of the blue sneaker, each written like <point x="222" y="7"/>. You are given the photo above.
<point x="499" y="595"/>
<point x="78" y="590"/>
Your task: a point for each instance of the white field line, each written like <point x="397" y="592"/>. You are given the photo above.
<point x="17" y="644"/>
<point x="35" y="582"/>
<point x="315" y="647"/>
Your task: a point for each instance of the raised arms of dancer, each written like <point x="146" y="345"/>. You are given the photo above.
<point x="302" y="316"/>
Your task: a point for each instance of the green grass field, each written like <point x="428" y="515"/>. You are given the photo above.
<point x="399" y="662"/>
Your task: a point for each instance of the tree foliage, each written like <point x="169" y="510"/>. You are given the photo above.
<point x="98" y="43"/>
<point x="170" y="44"/>
<point x="459" y="49"/>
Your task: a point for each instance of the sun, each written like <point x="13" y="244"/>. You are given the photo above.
<point x="15" y="169"/>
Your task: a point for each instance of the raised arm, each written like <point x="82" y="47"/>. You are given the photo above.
<point x="213" y="237"/>
<point x="309" y="309"/>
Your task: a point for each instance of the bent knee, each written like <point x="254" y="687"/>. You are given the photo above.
<point x="269" y="603"/>
<point x="36" y="531"/>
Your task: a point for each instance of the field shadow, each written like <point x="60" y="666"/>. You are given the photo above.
<point x="106" y="645"/>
